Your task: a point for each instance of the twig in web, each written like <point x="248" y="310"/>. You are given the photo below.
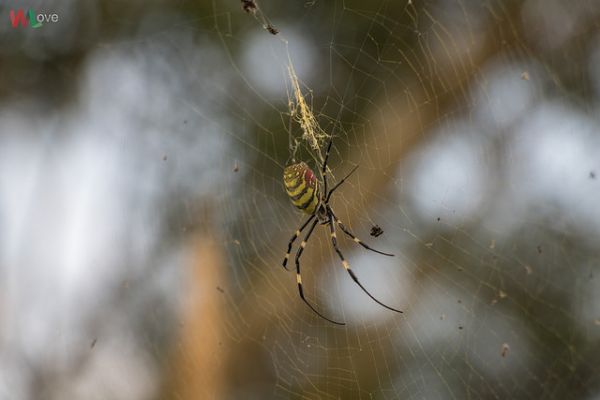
<point x="251" y="7"/>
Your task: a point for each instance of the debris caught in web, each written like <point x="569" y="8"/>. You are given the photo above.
<point x="249" y="6"/>
<point x="376" y="231"/>
<point x="504" y="350"/>
<point x="272" y="30"/>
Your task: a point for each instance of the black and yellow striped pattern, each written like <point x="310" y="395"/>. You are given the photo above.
<point x="302" y="186"/>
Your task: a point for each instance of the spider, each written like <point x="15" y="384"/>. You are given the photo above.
<point x="304" y="190"/>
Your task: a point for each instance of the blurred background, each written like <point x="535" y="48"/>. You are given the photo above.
<point x="143" y="219"/>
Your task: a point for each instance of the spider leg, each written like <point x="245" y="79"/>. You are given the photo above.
<point x="347" y="266"/>
<point x="337" y="185"/>
<point x="324" y="169"/>
<point x="299" y="277"/>
<point x="357" y="240"/>
<point x="293" y="239"/>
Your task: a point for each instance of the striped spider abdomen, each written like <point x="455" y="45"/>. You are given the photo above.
<point x="302" y="186"/>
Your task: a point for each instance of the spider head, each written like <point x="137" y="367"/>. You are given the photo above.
<point x="322" y="214"/>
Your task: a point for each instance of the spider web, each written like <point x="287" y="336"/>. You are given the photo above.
<point x="448" y="109"/>
<point x="474" y="127"/>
